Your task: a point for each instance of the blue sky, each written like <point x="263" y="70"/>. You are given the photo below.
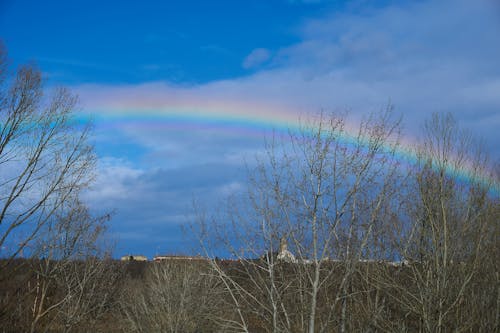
<point x="250" y="57"/>
<point x="184" y="42"/>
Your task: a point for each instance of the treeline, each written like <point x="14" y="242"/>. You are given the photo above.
<point x="187" y="296"/>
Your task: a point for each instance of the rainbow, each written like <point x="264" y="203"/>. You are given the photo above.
<point x="245" y="119"/>
<point x="188" y="118"/>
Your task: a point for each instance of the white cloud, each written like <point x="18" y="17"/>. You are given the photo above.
<point x="230" y="189"/>
<point x="256" y="58"/>
<point x="110" y="184"/>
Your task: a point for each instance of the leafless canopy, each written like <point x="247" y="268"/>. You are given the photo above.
<point x="337" y="234"/>
<point x="45" y="158"/>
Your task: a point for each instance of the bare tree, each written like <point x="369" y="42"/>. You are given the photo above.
<point x="324" y="190"/>
<point x="446" y="235"/>
<point x="45" y="158"/>
<point x="75" y="261"/>
<point x="68" y="269"/>
<point x="90" y="288"/>
<point x="45" y="163"/>
<point x="175" y="296"/>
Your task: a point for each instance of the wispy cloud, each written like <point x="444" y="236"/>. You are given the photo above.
<point x="256" y="58"/>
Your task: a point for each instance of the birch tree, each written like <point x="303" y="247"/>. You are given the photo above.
<point x="448" y="235"/>
<point x="323" y="190"/>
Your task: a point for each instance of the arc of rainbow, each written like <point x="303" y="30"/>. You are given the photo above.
<point x="248" y="119"/>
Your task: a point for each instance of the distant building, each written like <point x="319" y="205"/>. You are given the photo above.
<point x="176" y="257"/>
<point x="134" y="258"/>
<point x="284" y="254"/>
